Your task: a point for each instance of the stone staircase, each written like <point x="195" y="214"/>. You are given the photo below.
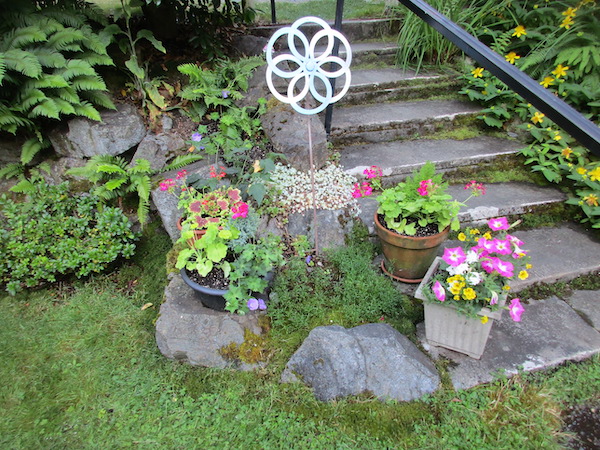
<point x="389" y="118"/>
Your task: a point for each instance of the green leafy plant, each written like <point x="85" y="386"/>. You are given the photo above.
<point x="115" y="178"/>
<point x="47" y="70"/>
<point x="418" y="202"/>
<point x="55" y="233"/>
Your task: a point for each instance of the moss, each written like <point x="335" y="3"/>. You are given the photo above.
<point x="172" y="258"/>
<point x="562" y="289"/>
<point x="255" y="348"/>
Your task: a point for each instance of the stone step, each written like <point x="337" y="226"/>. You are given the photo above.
<point x="391" y="84"/>
<point x="400" y="120"/>
<point x="400" y="158"/>
<point x="353" y="30"/>
<point x="500" y="199"/>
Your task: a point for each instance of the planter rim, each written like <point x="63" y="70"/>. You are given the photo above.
<point x="199" y="287"/>
<point x="386" y="230"/>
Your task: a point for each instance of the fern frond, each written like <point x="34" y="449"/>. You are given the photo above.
<point x="10" y="121"/>
<point x="48" y="57"/>
<point x="23" y="187"/>
<point x="88" y="83"/>
<point x="182" y="161"/>
<point x="98" y="98"/>
<point x="95" y="59"/>
<point x="47" y="108"/>
<point x="141" y="166"/>
<point x="74" y="68"/>
<point x="2" y="68"/>
<point x="110" y="168"/>
<point x="143" y="211"/>
<point x="68" y="94"/>
<point x="12" y="170"/>
<point x="85" y="109"/>
<point x="22" y="61"/>
<point x="64" y="107"/>
<point x="30" y="97"/>
<point x="29" y="149"/>
<point x="20" y="37"/>
<point x="141" y="184"/>
<point x="93" y="41"/>
<point x="46" y="80"/>
<point x="115" y="183"/>
<point x="191" y="70"/>
<point x="68" y="18"/>
<point x="64" y="39"/>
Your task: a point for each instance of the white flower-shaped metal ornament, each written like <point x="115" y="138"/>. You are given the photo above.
<point x="311" y="66"/>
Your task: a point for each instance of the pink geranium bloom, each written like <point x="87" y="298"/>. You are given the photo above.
<point x="504" y="268"/>
<point x="500" y="223"/>
<point x="516" y="309"/>
<point x="240" y="210"/>
<point x="423" y="187"/>
<point x="439" y="291"/>
<point x="502" y="247"/>
<point x="454" y="256"/>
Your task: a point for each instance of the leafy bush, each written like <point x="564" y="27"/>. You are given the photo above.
<point x="54" y="233"/>
<point x="47" y="69"/>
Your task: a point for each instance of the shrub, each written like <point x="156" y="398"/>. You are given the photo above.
<point x="54" y="233"/>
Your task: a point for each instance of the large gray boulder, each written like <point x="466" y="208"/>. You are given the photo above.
<point x="288" y="132"/>
<point x="158" y="148"/>
<point x="332" y="226"/>
<point x="375" y="358"/>
<point x="187" y="331"/>
<point x="119" y="131"/>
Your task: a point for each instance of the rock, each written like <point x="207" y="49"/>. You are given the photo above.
<point x="119" y="131"/>
<point x="248" y="45"/>
<point x="257" y="88"/>
<point x="338" y="362"/>
<point x="156" y="148"/>
<point x="10" y="149"/>
<point x="332" y="226"/>
<point x="166" y="203"/>
<point x="59" y="167"/>
<point x="288" y="132"/>
<point x="187" y="331"/>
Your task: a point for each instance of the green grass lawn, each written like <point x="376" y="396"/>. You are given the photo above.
<point x="80" y="369"/>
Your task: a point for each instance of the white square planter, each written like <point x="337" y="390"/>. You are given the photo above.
<point x="445" y="327"/>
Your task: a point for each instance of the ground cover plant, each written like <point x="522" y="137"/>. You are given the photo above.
<point x="93" y="374"/>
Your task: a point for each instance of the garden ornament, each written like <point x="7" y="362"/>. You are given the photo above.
<point x="313" y="73"/>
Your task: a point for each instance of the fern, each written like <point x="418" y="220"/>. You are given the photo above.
<point x="23" y="62"/>
<point x="21" y="37"/>
<point x="46" y="108"/>
<point x="87" y="83"/>
<point x="182" y="161"/>
<point x="98" y="98"/>
<point x="48" y="57"/>
<point x="31" y="147"/>
<point x="74" y="68"/>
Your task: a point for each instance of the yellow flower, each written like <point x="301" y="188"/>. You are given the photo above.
<point x="566" y="23"/>
<point x="469" y="294"/>
<point x="557" y="137"/>
<point x="528" y="266"/>
<point x="484" y="319"/>
<point x="477" y="73"/>
<point x="474" y="231"/>
<point x="462" y="237"/>
<point x="487" y="235"/>
<point x="520" y="31"/>
<point x="538" y="117"/>
<point x="595" y="174"/>
<point x="456" y="297"/>
<point x="548" y="81"/>
<point x="256" y="166"/>
<point x="566" y="152"/>
<point x="560" y="71"/>
<point x="570" y="12"/>
<point x="512" y="57"/>
<point x="581" y="170"/>
<point x="523" y="275"/>
<point x="591" y="199"/>
<point x="506" y="287"/>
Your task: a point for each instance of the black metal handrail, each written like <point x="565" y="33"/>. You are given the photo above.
<point x="562" y="114"/>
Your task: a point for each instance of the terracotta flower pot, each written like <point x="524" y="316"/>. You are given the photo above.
<point x="197" y="233"/>
<point x="407" y="258"/>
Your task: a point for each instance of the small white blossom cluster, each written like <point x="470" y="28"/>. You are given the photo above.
<point x="333" y="188"/>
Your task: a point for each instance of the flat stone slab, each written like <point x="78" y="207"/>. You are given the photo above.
<point x="549" y="333"/>
<point x="187" y="331"/>
<point x="364" y="78"/>
<point x="399" y="159"/>
<point x="587" y="305"/>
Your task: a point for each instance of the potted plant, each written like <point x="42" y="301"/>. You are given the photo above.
<point x="229" y="265"/>
<point x="466" y="289"/>
<point x="413" y="219"/>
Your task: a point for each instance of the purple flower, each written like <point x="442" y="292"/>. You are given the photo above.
<point x="261" y="304"/>
<point x="196" y="137"/>
<point x="225" y="94"/>
<point x="252" y="304"/>
<point x="308" y="259"/>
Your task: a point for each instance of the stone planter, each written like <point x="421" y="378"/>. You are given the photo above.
<point x="445" y="327"/>
<point x="407" y="258"/>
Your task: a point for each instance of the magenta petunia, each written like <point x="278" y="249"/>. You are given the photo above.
<point x="502" y="247"/>
<point x="499" y="223"/>
<point x="489" y="263"/>
<point x="516" y="310"/>
<point x="439" y="291"/>
<point x="504" y="268"/>
<point x="454" y="256"/>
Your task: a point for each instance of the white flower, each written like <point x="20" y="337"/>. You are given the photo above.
<point x="473" y="278"/>
<point x="472" y="256"/>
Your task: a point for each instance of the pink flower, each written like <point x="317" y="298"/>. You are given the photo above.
<point x="500" y="223"/>
<point x="439" y="291"/>
<point x="167" y="184"/>
<point x="454" y="256"/>
<point x="483" y="243"/>
<point x="504" y="268"/>
<point x="362" y="190"/>
<point x="494" y="298"/>
<point x="240" y="210"/>
<point x="476" y="188"/>
<point x="367" y="189"/>
<point x="423" y="187"/>
<point x="489" y="264"/>
<point x="181" y="174"/>
<point x="373" y="172"/>
<point x="502" y="247"/>
<point x="516" y="309"/>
